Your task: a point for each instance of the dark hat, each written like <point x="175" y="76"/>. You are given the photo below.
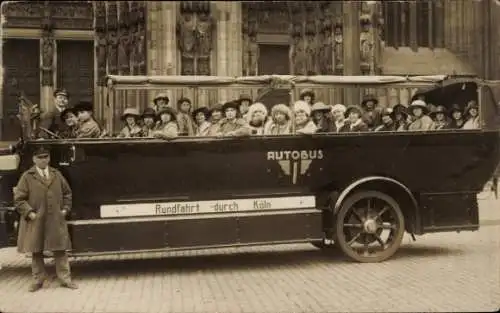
<point x="217" y="107"/>
<point x="231" y="104"/>
<point x="367" y="98"/>
<point x="204" y="110"/>
<point x="353" y="108"/>
<point x="183" y="99"/>
<point x="168" y="110"/>
<point x="62" y="92"/>
<point x="439" y="109"/>
<point x="456" y="108"/>
<point x="41" y="150"/>
<point x="84" y="106"/>
<point x="148" y="112"/>
<point x="306" y="92"/>
<point x="66" y="111"/>
<point x="400" y="109"/>
<point x="244" y="97"/>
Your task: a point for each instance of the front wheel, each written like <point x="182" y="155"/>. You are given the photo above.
<point x="369" y="226"/>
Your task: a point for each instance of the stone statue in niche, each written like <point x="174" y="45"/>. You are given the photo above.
<point x="141" y="45"/>
<point x="47" y="57"/>
<point x="366" y="44"/>
<point x="112" y="50"/>
<point x="134" y="34"/>
<point x="253" y="55"/>
<point x="326" y="53"/>
<point x="101" y="49"/>
<point x="298" y="56"/>
<point x="186" y="34"/>
<point x="310" y="55"/>
<point x="204" y="33"/>
<point x="123" y="51"/>
<point x="338" y="48"/>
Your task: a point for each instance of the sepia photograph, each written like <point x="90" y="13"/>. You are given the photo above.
<point x="250" y="156"/>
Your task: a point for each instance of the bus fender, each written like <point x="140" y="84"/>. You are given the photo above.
<point x="340" y="197"/>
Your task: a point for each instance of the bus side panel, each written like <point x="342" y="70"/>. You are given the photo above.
<point x="449" y="212"/>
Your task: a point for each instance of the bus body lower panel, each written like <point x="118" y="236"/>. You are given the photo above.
<point x="177" y="233"/>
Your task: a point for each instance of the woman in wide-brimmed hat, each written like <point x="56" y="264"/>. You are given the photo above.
<point x="355" y="122"/>
<point x="339" y="120"/>
<point x="201" y="116"/>
<point x="280" y="121"/>
<point x="303" y="121"/>
<point x="244" y="102"/>
<point x="257" y="118"/>
<point x="149" y="119"/>
<point x="68" y="116"/>
<point x="216" y="115"/>
<point x="371" y="112"/>
<point x="232" y="124"/>
<point x="420" y="121"/>
<point x="457" y="117"/>
<point x="321" y="117"/>
<point x="167" y="126"/>
<point x="472" y="116"/>
<point x="388" y="124"/>
<point x="307" y="95"/>
<point x="401" y="117"/>
<point x="160" y="101"/>
<point x="88" y="127"/>
<point x="439" y="116"/>
<point x="131" y="119"/>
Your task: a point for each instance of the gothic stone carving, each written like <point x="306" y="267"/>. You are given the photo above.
<point x="124" y="41"/>
<point x="186" y="42"/>
<point x="204" y="39"/>
<point x="47" y="57"/>
<point x="367" y="44"/>
<point x="250" y="27"/>
<point x="298" y="44"/>
<point x="338" y="49"/>
<point x="112" y="38"/>
<point x="326" y="41"/>
<point x="23" y="14"/>
<point x="100" y="31"/>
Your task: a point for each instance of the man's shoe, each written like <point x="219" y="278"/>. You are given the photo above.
<point x="35" y="287"/>
<point x="69" y="285"/>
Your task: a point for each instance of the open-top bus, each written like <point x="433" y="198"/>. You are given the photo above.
<point x="360" y="190"/>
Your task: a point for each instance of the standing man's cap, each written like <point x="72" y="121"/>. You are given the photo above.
<point x="41" y="151"/>
<point x="61" y="92"/>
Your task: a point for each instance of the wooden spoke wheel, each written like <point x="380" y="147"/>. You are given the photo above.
<point x="369" y="226"/>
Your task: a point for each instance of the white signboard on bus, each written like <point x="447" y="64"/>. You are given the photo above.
<point x="208" y="206"/>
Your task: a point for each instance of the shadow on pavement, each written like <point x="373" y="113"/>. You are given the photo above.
<point x="90" y="268"/>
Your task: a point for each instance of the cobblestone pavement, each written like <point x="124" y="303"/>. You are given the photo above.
<point x="438" y="272"/>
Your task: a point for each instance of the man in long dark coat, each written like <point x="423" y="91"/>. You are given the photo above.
<point x="51" y="118"/>
<point x="43" y="199"/>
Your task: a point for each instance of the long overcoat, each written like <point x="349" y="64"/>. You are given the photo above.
<point x="48" y="231"/>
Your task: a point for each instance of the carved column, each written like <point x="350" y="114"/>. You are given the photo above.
<point x="298" y="43"/>
<point x="311" y="43"/>
<point x="250" y="46"/>
<point x="351" y="35"/>
<point x="112" y="59"/>
<point x="48" y="48"/>
<point x="123" y="38"/>
<point x="326" y="41"/>
<point x="223" y="45"/>
<point x="367" y="38"/>
<point x="100" y="57"/>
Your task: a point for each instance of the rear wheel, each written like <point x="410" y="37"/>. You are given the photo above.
<point x="369" y="226"/>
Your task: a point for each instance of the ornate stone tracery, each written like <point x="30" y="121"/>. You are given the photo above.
<point x="101" y="42"/>
<point x="112" y="38"/>
<point x="195" y="37"/>
<point x="48" y="46"/>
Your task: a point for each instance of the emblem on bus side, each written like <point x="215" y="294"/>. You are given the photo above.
<point x="294" y="162"/>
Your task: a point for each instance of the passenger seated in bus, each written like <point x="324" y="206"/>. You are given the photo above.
<point x="457" y="118"/>
<point x="371" y="112"/>
<point x="216" y="115"/>
<point x="149" y="120"/>
<point x="88" y="127"/>
<point x="472" y="115"/>
<point x="440" y="118"/>
<point x="160" y="101"/>
<point x="131" y="118"/>
<point x="244" y="105"/>
<point x="321" y="117"/>
<point x="308" y="96"/>
<point x="257" y="118"/>
<point x="420" y="120"/>
<point x="184" y="119"/>
<point x="50" y="118"/>
<point x="201" y="116"/>
<point x="232" y="124"/>
<point x="303" y="122"/>
<point x="388" y="124"/>
<point x="68" y="116"/>
<point x="400" y="117"/>
<point x="338" y="113"/>
<point x="280" y="123"/>
<point x="354" y="122"/>
<point x="167" y="127"/>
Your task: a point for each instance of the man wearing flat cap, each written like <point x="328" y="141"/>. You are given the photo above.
<point x="43" y="199"/>
<point x="50" y="119"/>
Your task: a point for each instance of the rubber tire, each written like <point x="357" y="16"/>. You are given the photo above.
<point x="339" y="235"/>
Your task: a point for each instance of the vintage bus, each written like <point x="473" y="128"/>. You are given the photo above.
<point x="360" y="191"/>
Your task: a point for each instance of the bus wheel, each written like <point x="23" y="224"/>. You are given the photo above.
<point x="369" y="226"/>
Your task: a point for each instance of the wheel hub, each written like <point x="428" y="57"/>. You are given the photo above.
<point x="370" y="226"/>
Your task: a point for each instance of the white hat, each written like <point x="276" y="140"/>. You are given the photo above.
<point x="339" y="107"/>
<point x="257" y="106"/>
<point x="418" y="103"/>
<point x="302" y="106"/>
